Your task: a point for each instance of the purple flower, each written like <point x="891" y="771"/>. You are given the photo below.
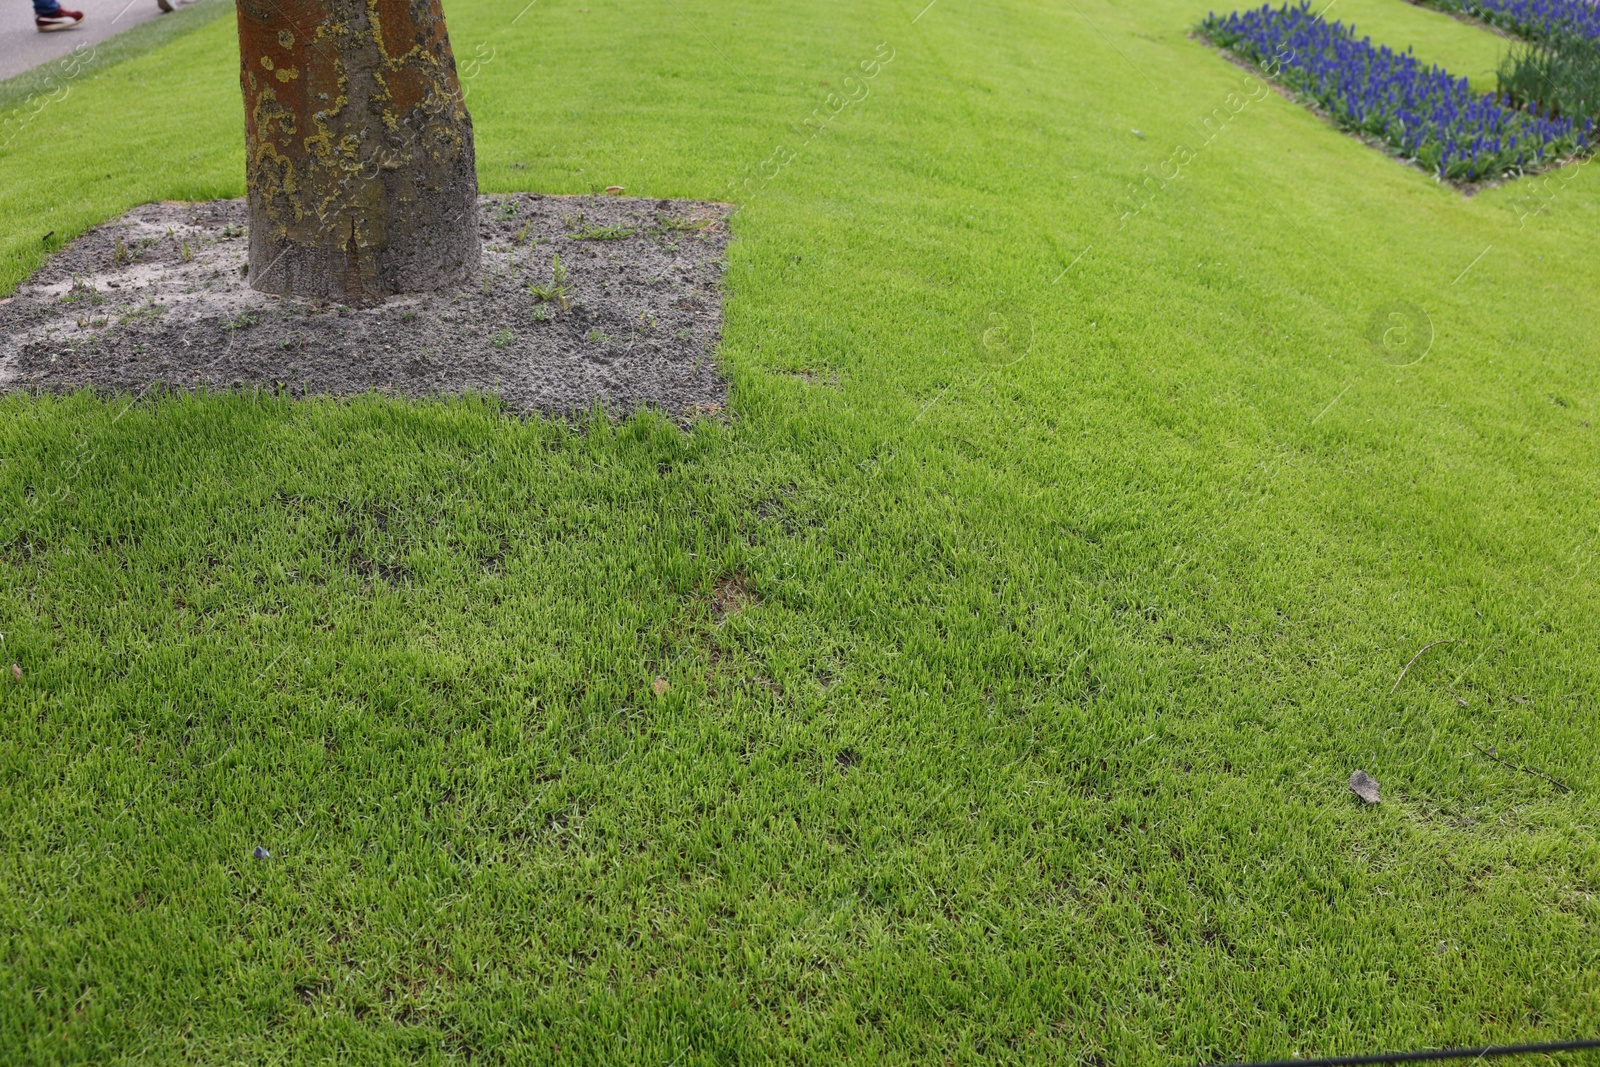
<point x="1424" y="113"/>
<point x="1536" y="19"/>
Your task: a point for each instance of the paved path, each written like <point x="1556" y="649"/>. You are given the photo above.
<point x="22" y="46"/>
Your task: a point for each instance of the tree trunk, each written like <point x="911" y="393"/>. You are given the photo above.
<point x="359" y="156"/>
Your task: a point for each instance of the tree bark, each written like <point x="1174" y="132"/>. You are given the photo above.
<point x="359" y="155"/>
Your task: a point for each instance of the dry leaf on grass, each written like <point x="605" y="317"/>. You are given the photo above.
<point x="16" y="672"/>
<point x="1364" y="786"/>
<point x="662" y="687"/>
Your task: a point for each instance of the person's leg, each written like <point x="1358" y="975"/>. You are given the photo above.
<point x="46" y="7"/>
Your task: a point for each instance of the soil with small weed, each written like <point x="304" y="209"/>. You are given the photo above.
<point x="580" y="302"/>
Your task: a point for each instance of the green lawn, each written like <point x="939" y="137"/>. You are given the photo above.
<point x="1466" y="50"/>
<point x="1019" y="648"/>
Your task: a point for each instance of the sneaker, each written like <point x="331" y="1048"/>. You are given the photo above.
<point x="61" y="20"/>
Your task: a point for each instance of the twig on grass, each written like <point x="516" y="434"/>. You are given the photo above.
<point x="1420" y="651"/>
<point x="1525" y="770"/>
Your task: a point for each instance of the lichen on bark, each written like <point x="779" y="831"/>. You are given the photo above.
<point x="359" y="152"/>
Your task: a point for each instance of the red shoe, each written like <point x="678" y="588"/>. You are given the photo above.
<point x="61" y="20"/>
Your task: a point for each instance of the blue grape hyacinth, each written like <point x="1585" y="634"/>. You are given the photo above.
<point x="1423" y="113"/>
<point x="1539" y="20"/>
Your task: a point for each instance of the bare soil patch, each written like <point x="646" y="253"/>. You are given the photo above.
<point x="158" y="298"/>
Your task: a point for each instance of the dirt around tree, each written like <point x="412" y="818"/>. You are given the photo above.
<point x="580" y="301"/>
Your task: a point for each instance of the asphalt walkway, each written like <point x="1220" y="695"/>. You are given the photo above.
<point x="23" y="47"/>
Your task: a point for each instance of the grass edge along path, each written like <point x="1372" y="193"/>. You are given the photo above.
<point x="21" y="95"/>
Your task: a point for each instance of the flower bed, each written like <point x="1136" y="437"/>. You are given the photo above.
<point x="1423" y="113"/>
<point x="1537" y="20"/>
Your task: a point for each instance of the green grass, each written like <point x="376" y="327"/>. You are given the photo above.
<point x="1022" y="627"/>
<point x="1465" y="50"/>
